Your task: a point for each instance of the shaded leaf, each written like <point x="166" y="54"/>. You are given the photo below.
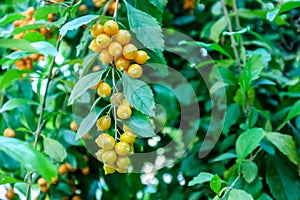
<point x="215" y="184"/>
<point x="54" y="149"/>
<point x="16" y="102"/>
<point x="8" y="179"/>
<point x="236" y="194"/>
<point x="201" y="178"/>
<point x="11" y="18"/>
<point x="249" y="170"/>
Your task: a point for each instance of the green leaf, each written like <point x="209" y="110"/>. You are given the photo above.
<point x="283" y="184"/>
<point x="247" y="142"/>
<point x="43" y="12"/>
<point x="147" y="7"/>
<point x="11" y="18"/>
<point x="87" y="123"/>
<point x="30" y="158"/>
<point x="8" y="179"/>
<point x="216" y="184"/>
<point x="157" y="61"/>
<point x="54" y="149"/>
<point x="36" y="47"/>
<point x="217" y="28"/>
<point x="203" y="177"/>
<point x="14" y="56"/>
<point x="84" y="41"/>
<point x="294" y="112"/>
<point x="264" y="196"/>
<point x="88" y="63"/>
<point x="16" y="102"/>
<point x="236" y="194"/>
<point x="139" y="95"/>
<point x="36" y="25"/>
<point x="213" y="46"/>
<point x="287" y="6"/>
<point x="285" y="145"/>
<point x="249" y="170"/>
<point x="140" y="124"/>
<point x="84" y="84"/>
<point x="147" y="28"/>
<point x="65" y="188"/>
<point x="9" y="76"/>
<point x="76" y="23"/>
<point x="160" y="4"/>
<point x="233" y="113"/>
<point x="33" y="37"/>
<point x="224" y="156"/>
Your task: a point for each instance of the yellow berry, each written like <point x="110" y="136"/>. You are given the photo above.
<point x="122" y="149"/>
<point x="104" y="123"/>
<point x="123" y="162"/>
<point x="141" y="57"/>
<point x="42" y="182"/>
<point x="111" y="27"/>
<point x="103" y="40"/>
<point x="123" y="37"/>
<point x="10" y="194"/>
<point x="104" y="90"/>
<point x="96" y="29"/>
<point x="94" y="46"/>
<point x="115" y="49"/>
<point x="122" y="63"/>
<point x="126" y="103"/>
<point x="130" y="51"/>
<point x="109" y="169"/>
<point x="105" y="141"/>
<point x="128" y="137"/>
<point x="73" y="126"/>
<point x="135" y="71"/>
<point x="124" y="112"/>
<point x="105" y="57"/>
<point x="117" y="98"/>
<point x="109" y="157"/>
<point x="9" y="132"/>
<point x="99" y="154"/>
<point x="126" y="128"/>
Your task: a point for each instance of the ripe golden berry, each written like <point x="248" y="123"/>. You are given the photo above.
<point x="129" y="51"/>
<point x="135" y="71"/>
<point x="54" y="180"/>
<point x="76" y="197"/>
<point x="73" y="126"/>
<point x="109" y="157"/>
<point x="96" y="30"/>
<point x="82" y="8"/>
<point x="99" y="154"/>
<point x="122" y="63"/>
<point x="70" y="167"/>
<point x="141" y="57"/>
<point x="124" y="112"/>
<point x="121" y="171"/>
<point x="109" y="169"/>
<point x="94" y="46"/>
<point x="85" y="171"/>
<point x="123" y="37"/>
<point x="104" y="123"/>
<point x="105" y="141"/>
<point x="128" y="137"/>
<point x="42" y="182"/>
<point x="117" y="98"/>
<point x="103" y="40"/>
<point x="104" y="90"/>
<point x="44" y="189"/>
<point x="62" y="169"/>
<point x="9" y="132"/>
<point x="123" y="162"/>
<point x="122" y="148"/>
<point x="10" y="193"/>
<point x="115" y="49"/>
<point x="111" y="27"/>
<point x="105" y="57"/>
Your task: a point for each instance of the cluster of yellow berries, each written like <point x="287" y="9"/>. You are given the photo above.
<point x="114" y="47"/>
<point x="115" y="155"/>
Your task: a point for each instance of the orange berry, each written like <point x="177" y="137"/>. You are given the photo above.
<point x="96" y="29"/>
<point x="8" y="132"/>
<point x="30" y="11"/>
<point x="109" y="157"/>
<point x="103" y="123"/>
<point x="42" y="182"/>
<point x="105" y="141"/>
<point x="82" y="8"/>
<point x="96" y="68"/>
<point x="85" y="171"/>
<point x="135" y="71"/>
<point x="115" y="49"/>
<point x="76" y="197"/>
<point x="54" y="180"/>
<point x="129" y="51"/>
<point x="122" y="149"/>
<point x="122" y="63"/>
<point x="62" y="169"/>
<point x="73" y="125"/>
<point x="44" y="189"/>
<point x="141" y="57"/>
<point x="123" y="37"/>
<point x="10" y="194"/>
<point x="70" y="168"/>
<point x="104" y="90"/>
<point x="103" y="40"/>
<point x="86" y="158"/>
<point x="111" y="27"/>
<point x="124" y="112"/>
<point x="105" y="57"/>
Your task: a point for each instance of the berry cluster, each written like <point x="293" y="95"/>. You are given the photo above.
<point x="114" y="46"/>
<point x="115" y="155"/>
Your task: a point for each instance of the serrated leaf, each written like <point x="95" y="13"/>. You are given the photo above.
<point x="146" y="28"/>
<point x="215" y="184"/>
<point x="29" y="157"/>
<point x="236" y="194"/>
<point x="16" y="102"/>
<point x="54" y="149"/>
<point x="160" y="4"/>
<point x="140" y="124"/>
<point x="249" y="170"/>
<point x="147" y="7"/>
<point x="84" y="84"/>
<point x="139" y="95"/>
<point x="285" y="145"/>
<point x="203" y="177"/>
<point x="283" y="184"/>
<point x="247" y="142"/>
<point x="76" y="23"/>
<point x="11" y="18"/>
<point x="157" y="61"/>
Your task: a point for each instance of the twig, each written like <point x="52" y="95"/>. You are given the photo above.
<point x="116" y="10"/>
<point x="231" y="185"/>
<point x="114" y="102"/>
<point x="106" y="7"/>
